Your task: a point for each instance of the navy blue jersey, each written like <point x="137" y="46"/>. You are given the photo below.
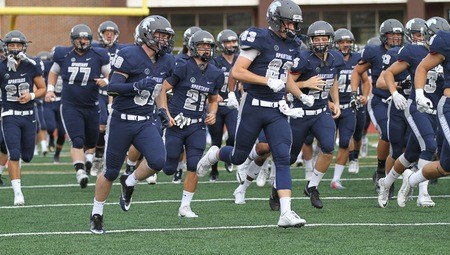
<point x="373" y="54"/>
<point x="390" y="58"/>
<point x="310" y="65"/>
<point x="79" y="72"/>
<point x="191" y="87"/>
<point x="112" y="51"/>
<point x="134" y="62"/>
<point x="440" y="43"/>
<point x="345" y="90"/>
<point x="223" y="64"/>
<point x="182" y="57"/>
<point x="276" y="58"/>
<point x="15" y="83"/>
<point x="413" y="55"/>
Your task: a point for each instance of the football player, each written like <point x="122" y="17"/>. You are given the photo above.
<point x="263" y="66"/>
<point x="136" y="81"/>
<point x="19" y="75"/>
<point x="439" y="54"/>
<point x="81" y="68"/>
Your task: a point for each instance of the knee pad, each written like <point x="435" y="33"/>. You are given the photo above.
<point x="344" y="143"/>
<point x="156" y="163"/>
<point x="78" y="143"/>
<point x="327" y="148"/>
<point x="281" y="154"/>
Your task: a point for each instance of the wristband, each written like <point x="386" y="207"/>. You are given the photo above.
<point x="106" y="80"/>
<point x="50" y="88"/>
<point x="33" y="96"/>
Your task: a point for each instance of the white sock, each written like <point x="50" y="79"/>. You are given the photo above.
<point x="131" y="163"/>
<point x="181" y="165"/>
<point x="422" y="163"/>
<point x="187" y="198"/>
<point x="253" y="153"/>
<point x="1" y="169"/>
<point x="98" y="207"/>
<point x="315" y="178"/>
<point x="246" y="184"/>
<point x="212" y="157"/>
<point x="423" y="187"/>
<point x="416" y="178"/>
<point x="89" y="157"/>
<point x="391" y="177"/>
<point x="308" y="169"/>
<point x="338" y="170"/>
<point x="43" y="145"/>
<point x="17" y="188"/>
<point x="253" y="170"/>
<point x="131" y="180"/>
<point x="285" y="205"/>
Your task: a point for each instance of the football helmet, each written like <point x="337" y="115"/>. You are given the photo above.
<point x="279" y="12"/>
<point x="150" y="30"/>
<point x="108" y="26"/>
<point x="45" y="55"/>
<point x="81" y="31"/>
<point x="435" y="24"/>
<point x="14" y="36"/>
<point x="202" y="37"/>
<point x="374" y="41"/>
<point x="228" y="35"/>
<point x="415" y="25"/>
<point x="188" y="33"/>
<point x="320" y="28"/>
<point x="137" y="39"/>
<point x="391" y="26"/>
<point x="343" y="34"/>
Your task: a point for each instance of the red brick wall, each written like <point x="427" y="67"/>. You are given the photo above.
<point x="48" y="31"/>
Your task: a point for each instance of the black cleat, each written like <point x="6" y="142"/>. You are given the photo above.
<point x="305" y="191"/>
<point x="1" y="181"/>
<point x="129" y="169"/>
<point x="433" y="182"/>
<point x="88" y="167"/>
<point x="125" y="198"/>
<point x="274" y="200"/>
<point x="314" y="197"/>
<point x="177" y="176"/>
<point x="229" y="167"/>
<point x="97" y="224"/>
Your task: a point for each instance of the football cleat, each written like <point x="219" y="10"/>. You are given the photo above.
<point x="186" y="212"/>
<point x="424" y="200"/>
<point x="229" y="167"/>
<point x="262" y="177"/>
<point x="56" y="159"/>
<point x="19" y="200"/>
<point x="353" y="167"/>
<point x="241" y="172"/>
<point x="213" y="177"/>
<point x="239" y="195"/>
<point x="97" y="224"/>
<point x="204" y="165"/>
<point x="177" y="176"/>
<point x="129" y="169"/>
<point x="383" y="195"/>
<point x="314" y="197"/>
<point x="336" y="185"/>
<point x="291" y="219"/>
<point x="1" y="181"/>
<point x="152" y="179"/>
<point x="97" y="166"/>
<point x="274" y="200"/>
<point x="88" y="167"/>
<point x="403" y="193"/>
<point x="82" y="178"/>
<point x="125" y="198"/>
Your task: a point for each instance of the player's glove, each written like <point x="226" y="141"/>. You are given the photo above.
<point x="423" y="103"/>
<point x="354" y="100"/>
<point x="162" y="114"/>
<point x="232" y="102"/>
<point x="291" y="112"/>
<point x="308" y="100"/>
<point x="399" y="101"/>
<point x="275" y="84"/>
<point x="148" y="83"/>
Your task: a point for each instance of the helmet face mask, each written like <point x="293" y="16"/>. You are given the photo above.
<point x="320" y="37"/>
<point x="150" y="32"/>
<point x="108" y="38"/>
<point x="202" y="45"/>
<point x="344" y="41"/>
<point x="227" y="41"/>
<point x="14" y="42"/>
<point x="435" y="24"/>
<point x="415" y="31"/>
<point x="81" y="37"/>
<point x="285" y="17"/>
<point x="391" y="33"/>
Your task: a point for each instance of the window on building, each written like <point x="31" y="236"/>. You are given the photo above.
<point x="363" y="26"/>
<point x="336" y="19"/>
<point x="384" y="15"/>
<point x="180" y="22"/>
<point x="239" y="22"/>
<point x="211" y="22"/>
